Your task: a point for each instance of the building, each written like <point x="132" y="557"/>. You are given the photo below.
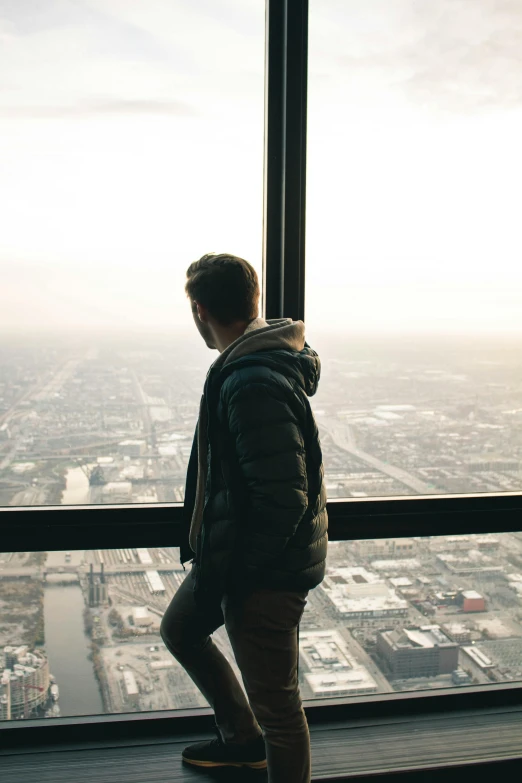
<point x="451" y="544"/>
<point x="417" y="652"/>
<point x="488" y="543"/>
<point x="478" y="657"/>
<point x="458" y="632"/>
<point x="144" y="556"/>
<point x="471" y="563"/>
<point x="141" y="617"/>
<point x="132" y="691"/>
<point x="117" y="492"/>
<point x="154" y="582"/>
<point x="330" y="669"/>
<point x="358" y="594"/>
<point x="501" y="657"/>
<point x="384" y="547"/>
<point x="471" y="601"/>
<point x="132" y="448"/>
<point x="24" y="683"/>
<point x="492" y="466"/>
<point x="460" y="677"/>
<point x="5" y="695"/>
<point x="97" y="592"/>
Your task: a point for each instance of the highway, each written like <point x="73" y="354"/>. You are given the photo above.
<point x="124" y="568"/>
<point x="342" y="436"/>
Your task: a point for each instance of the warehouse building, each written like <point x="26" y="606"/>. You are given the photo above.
<point x="417" y="652"/>
<point x="330" y="667"/>
<point x="154" y="582"/>
<point x="359" y="594"/>
<point x="471" y="601"/>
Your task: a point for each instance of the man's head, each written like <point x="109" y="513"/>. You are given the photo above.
<point x="224" y="296"/>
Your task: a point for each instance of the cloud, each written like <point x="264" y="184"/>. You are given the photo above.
<point x="459" y="56"/>
<point x="100" y="108"/>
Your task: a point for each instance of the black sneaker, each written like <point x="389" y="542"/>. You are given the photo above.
<point x="216" y="753"/>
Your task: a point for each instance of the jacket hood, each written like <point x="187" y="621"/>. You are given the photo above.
<point x="279" y="344"/>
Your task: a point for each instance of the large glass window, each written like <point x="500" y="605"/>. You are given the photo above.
<point x="413" y="244"/>
<point x="79" y="632"/>
<point x="131" y="144"/>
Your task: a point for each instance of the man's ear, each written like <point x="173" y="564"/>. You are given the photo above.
<point x="202" y="312"/>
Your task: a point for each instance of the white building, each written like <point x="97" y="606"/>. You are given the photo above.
<point x="141" y="617"/>
<point x="154" y="582"/>
<point x="360" y="594"/>
<point x="330" y="667"/>
<point x="144" y="556"/>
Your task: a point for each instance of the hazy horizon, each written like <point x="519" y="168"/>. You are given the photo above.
<point x="132" y="143"/>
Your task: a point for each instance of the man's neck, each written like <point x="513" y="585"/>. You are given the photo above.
<point x="226" y="335"/>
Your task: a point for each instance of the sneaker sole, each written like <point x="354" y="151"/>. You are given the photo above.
<point x="250" y="764"/>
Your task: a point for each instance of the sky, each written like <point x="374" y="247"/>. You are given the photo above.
<point x="131" y="142"/>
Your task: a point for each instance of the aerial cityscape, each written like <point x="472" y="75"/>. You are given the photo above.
<point x="111" y="420"/>
<point x="79" y="632"/>
<point x="86" y="421"/>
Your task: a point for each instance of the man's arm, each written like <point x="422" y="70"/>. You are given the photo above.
<point x="272" y="460"/>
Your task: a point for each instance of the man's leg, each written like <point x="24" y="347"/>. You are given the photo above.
<point x="263" y="632"/>
<point x="186" y="630"/>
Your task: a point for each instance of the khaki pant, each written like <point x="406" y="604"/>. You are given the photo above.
<point x="262" y="629"/>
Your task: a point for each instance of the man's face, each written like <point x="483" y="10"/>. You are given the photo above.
<point x="203" y="327"/>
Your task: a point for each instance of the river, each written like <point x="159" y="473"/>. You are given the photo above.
<point x="68" y="648"/>
<point x="76" y="490"/>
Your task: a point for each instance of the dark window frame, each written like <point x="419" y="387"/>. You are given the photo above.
<point x="105" y="527"/>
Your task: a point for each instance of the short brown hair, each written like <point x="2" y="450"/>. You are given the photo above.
<point x="226" y="285"/>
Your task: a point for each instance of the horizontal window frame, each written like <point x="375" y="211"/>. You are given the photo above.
<point x="76" y="730"/>
<point x="50" y="528"/>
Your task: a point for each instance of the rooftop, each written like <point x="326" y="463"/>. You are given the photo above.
<point x="427" y="636"/>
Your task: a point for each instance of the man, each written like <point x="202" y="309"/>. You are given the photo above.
<point x="255" y="525"/>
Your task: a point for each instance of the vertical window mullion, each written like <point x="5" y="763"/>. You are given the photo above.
<point x="285" y="158"/>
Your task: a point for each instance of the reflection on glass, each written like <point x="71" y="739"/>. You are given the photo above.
<point x="413" y="287"/>
<point x="80" y="630"/>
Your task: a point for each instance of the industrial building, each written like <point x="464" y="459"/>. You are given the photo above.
<point x="97" y="589"/>
<point x="132" y="448"/>
<point x="471" y="601"/>
<point x="471" y="563"/>
<point x="423" y="651"/>
<point x="24" y="683"/>
<point x="141" y="617"/>
<point x="117" y="492"/>
<point x="384" y="547"/>
<point x="457" y="632"/>
<point x="357" y="594"/>
<point x="154" y="582"/>
<point x="132" y="691"/>
<point x="144" y="556"/>
<point x="502" y="658"/>
<point x="330" y="668"/>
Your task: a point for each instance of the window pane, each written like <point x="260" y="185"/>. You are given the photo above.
<point x="128" y="149"/>
<point x="413" y="244"/>
<point x="392" y="615"/>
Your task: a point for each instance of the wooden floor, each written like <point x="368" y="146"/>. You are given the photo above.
<point x="340" y="751"/>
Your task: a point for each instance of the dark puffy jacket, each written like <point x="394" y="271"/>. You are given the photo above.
<point x="264" y="520"/>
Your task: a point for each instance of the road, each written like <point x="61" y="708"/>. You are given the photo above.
<point x="68" y="568"/>
<point x="342" y="436"/>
